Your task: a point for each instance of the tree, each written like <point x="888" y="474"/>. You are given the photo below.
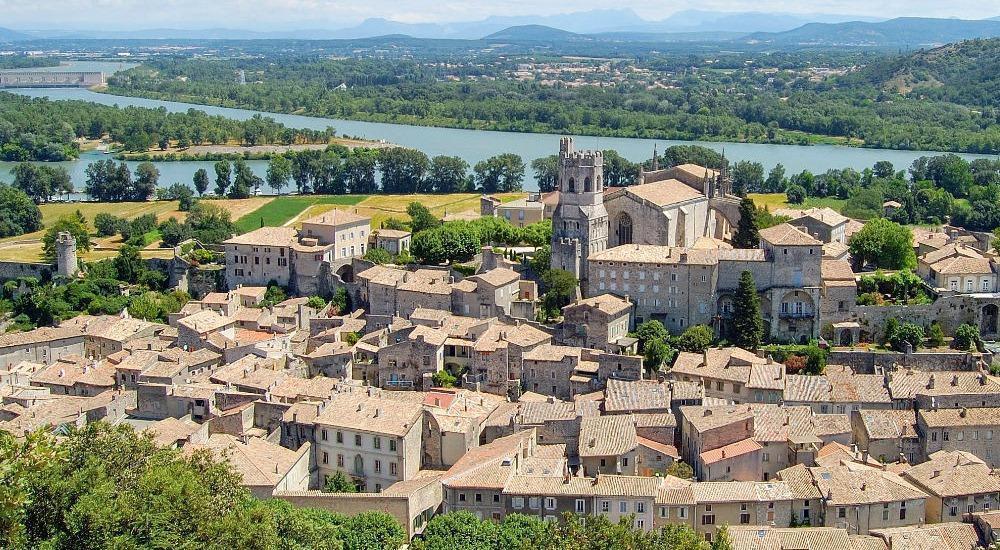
<point x="966" y="338"/>
<point x="696" y="339"/>
<point x="444" y="379"/>
<point x="209" y="223"/>
<point x="341" y="301"/>
<point x="146" y="179"/>
<point x="649" y="331"/>
<point x="500" y="174"/>
<point x="243" y="181"/>
<point x="339" y="483"/>
<point x="906" y="333"/>
<point x="676" y="155"/>
<point x="421" y="217"/>
<point x="560" y="290"/>
<point x="402" y="169"/>
<point x="448" y="175"/>
<point x="748" y="177"/>
<point x="128" y="264"/>
<point x="373" y="530"/>
<point x="200" y="181"/>
<point x="721" y="540"/>
<point x="223" y="177"/>
<point x="748" y="325"/>
<point x="883" y="170"/>
<point x="883" y="244"/>
<point x="18" y="213"/>
<point x="796" y="194"/>
<point x="679" y="468"/>
<point x="74" y="224"/>
<point x="172" y="232"/>
<point x="775" y="182"/>
<point x="935" y="335"/>
<point x="279" y="171"/>
<point x="657" y="353"/>
<point x="378" y="255"/>
<point x="747" y="234"/>
<point x="546" y="171"/>
<point x="180" y="193"/>
<point x="618" y="171"/>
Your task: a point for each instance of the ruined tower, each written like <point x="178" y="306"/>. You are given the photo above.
<point x="66" y="264"/>
<point x="580" y="221"/>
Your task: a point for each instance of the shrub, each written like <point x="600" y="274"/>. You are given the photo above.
<point x="966" y="336"/>
<point x="906" y="333"/>
<point x="695" y="339"/>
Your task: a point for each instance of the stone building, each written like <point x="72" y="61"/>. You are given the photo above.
<point x="600" y="322"/>
<point x="970" y="430"/>
<point x="580" y="222"/>
<point x="374" y="440"/>
<point x="913" y="389"/>
<point x="411" y="357"/>
<point x="393" y="241"/>
<point x="608" y="445"/>
<point x="689" y="286"/>
<point x="295" y="258"/>
<point x="958" y="483"/>
<point x="887" y="435"/>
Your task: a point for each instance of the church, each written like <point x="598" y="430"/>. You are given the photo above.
<point x="679" y="206"/>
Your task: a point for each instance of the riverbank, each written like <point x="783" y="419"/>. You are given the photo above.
<point x="246" y="152"/>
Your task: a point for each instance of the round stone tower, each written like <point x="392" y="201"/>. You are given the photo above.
<point x="66" y="263"/>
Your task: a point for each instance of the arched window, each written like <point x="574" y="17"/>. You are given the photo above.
<point x="587" y="185"/>
<point x="624" y="229"/>
<point x="572" y="186"/>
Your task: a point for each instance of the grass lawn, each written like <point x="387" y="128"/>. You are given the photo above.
<point x="288" y="210"/>
<point x="281" y="210"/>
<point x="774" y="201"/>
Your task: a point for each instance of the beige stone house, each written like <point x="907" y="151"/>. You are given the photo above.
<point x="887" y="435"/>
<point x="911" y="389"/>
<point x="972" y="430"/>
<point x="838" y="390"/>
<point x="608" y="445"/>
<point x="600" y="322"/>
<point x="393" y="241"/>
<point x="958" y="268"/>
<point x="958" y="483"/>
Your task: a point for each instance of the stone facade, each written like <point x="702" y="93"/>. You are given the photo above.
<point x="580" y="223"/>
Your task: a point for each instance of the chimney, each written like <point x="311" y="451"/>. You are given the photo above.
<point x="935" y="473"/>
<point x="708" y="412"/>
<point x="704" y="358"/>
<point x="954" y="380"/>
<point x="930" y="382"/>
<point x="723" y="454"/>
<point x="964" y="412"/>
<point x="376" y="413"/>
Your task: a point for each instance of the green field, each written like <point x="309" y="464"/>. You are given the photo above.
<point x="774" y="201"/>
<point x="281" y="210"/>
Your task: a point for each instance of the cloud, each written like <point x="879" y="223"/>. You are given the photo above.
<point x="284" y="14"/>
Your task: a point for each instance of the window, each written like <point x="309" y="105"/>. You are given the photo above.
<point x="885" y="512"/>
<point x="340" y="437"/>
<point x="605" y="506"/>
<point x="533" y="503"/>
<point x="639" y="524"/>
<point x="392" y="468"/>
<point x="902" y="510"/>
<point x="682" y="513"/>
<point x="764" y="456"/>
<point x="392" y="444"/>
<point x="841" y="512"/>
<point x="378" y="442"/>
<point x="357" y="440"/>
<point x="323" y="434"/>
<point x="340" y="461"/>
<point x="378" y="466"/>
<point x="623" y="507"/>
<point x="581" y="506"/>
<point x="461" y="497"/>
<point x="479" y="497"/>
<point x="325" y="458"/>
<point x="550" y="503"/>
<point x="933" y="436"/>
<point x="517" y="503"/>
<point x="944" y="436"/>
<point x="640" y="507"/>
<point x="708" y="519"/>
<point x="664" y="512"/>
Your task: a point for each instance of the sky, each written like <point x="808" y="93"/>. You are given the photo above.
<point x="289" y="14"/>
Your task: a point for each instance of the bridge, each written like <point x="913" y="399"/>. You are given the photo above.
<point x="41" y="79"/>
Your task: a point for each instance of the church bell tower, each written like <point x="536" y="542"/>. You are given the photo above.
<point x="580" y="221"/>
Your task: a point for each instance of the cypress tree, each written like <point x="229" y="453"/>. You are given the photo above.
<point x="747" y="322"/>
<point x="747" y="234"/>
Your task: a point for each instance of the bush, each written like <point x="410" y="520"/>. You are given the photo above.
<point x="316" y="302"/>
<point x="966" y="336"/>
<point x="695" y="339"/>
<point x="796" y="194"/>
<point x="906" y="333"/>
<point x="935" y="336"/>
<point x="444" y="379"/>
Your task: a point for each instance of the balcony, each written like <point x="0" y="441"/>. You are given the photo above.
<point x="399" y="384"/>
<point x="804" y="314"/>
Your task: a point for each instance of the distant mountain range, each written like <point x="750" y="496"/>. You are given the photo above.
<point x="623" y="25"/>
<point x="903" y="32"/>
<point x="584" y="22"/>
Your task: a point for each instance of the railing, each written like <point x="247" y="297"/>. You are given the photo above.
<point x="399" y="384"/>
<point x="796" y="314"/>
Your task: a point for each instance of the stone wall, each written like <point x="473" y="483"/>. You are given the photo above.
<point x="864" y="361"/>
<point x="949" y="311"/>
<point x="16" y="270"/>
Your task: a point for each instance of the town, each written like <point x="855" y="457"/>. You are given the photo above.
<point x="758" y="385"/>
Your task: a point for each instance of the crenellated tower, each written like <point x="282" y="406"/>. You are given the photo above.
<point x="580" y="221"/>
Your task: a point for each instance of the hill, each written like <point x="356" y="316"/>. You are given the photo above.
<point x="532" y="33"/>
<point x="903" y="32"/>
<point x="967" y="73"/>
<point x="8" y="35"/>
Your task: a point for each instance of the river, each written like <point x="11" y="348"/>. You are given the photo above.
<point x="476" y="145"/>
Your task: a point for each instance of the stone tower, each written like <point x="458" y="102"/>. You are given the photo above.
<point x="66" y="264"/>
<point x="580" y="221"/>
